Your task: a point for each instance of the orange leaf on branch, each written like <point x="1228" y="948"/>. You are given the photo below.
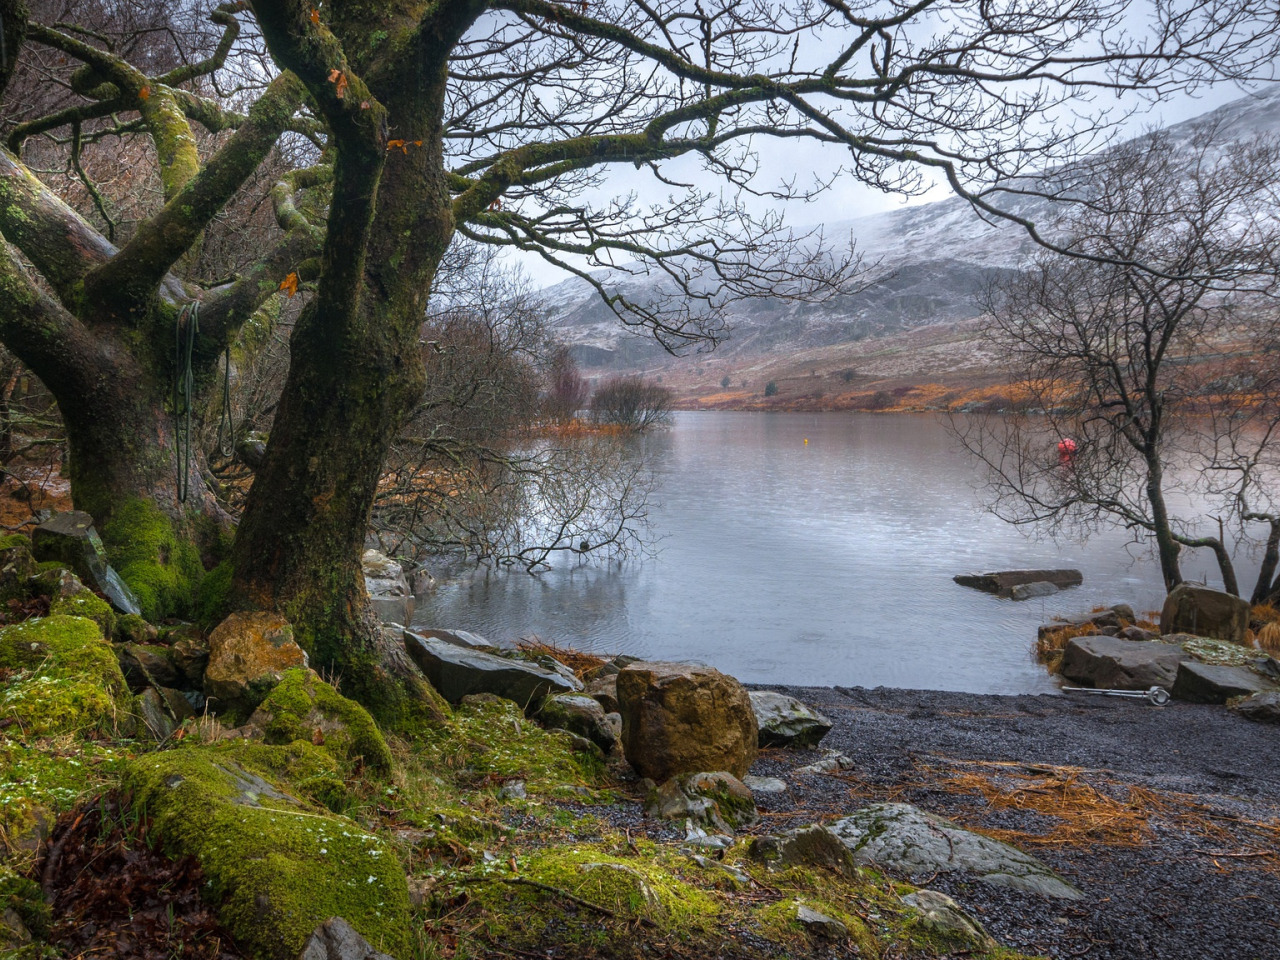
<point x="290" y="284"/>
<point x="339" y="80"/>
<point x="144" y="93"/>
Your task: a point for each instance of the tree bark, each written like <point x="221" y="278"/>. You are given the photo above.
<point x="1167" y="547"/>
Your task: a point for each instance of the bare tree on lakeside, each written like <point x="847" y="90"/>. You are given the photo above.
<point x="494" y="119"/>
<point x="1155" y="378"/>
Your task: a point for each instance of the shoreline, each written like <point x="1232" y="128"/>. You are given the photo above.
<point x="1166" y="891"/>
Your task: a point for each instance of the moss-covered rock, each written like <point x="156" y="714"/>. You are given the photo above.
<point x="17" y="565"/>
<point x="161" y="568"/>
<point x="304" y="707"/>
<point x="276" y="866"/>
<point x="68" y="679"/>
<point x="132" y="628"/>
<point x="23" y="912"/>
<point x="90" y="606"/>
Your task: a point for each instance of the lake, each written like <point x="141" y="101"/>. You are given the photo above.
<point x="819" y="563"/>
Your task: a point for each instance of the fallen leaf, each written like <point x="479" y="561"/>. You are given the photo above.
<point x="144" y="93"/>
<point x="290" y="284"/>
<point x="315" y="15"/>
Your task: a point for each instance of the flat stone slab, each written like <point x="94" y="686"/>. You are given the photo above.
<point x="70" y="539"/>
<point x="1115" y="664"/>
<point x="1003" y="581"/>
<point x="458" y="672"/>
<point x="1211" y="683"/>
<point x="910" y="841"/>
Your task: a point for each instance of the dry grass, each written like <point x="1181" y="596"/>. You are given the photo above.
<point x="1268" y="638"/>
<point x="1050" y="647"/>
<point x="576" y="660"/>
<point x="1091" y="808"/>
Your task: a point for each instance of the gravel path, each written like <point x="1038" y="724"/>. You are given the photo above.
<point x="1180" y="896"/>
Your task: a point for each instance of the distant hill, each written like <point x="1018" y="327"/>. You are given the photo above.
<point x="933" y="259"/>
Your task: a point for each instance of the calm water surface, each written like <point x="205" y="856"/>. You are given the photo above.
<point x="821" y="563"/>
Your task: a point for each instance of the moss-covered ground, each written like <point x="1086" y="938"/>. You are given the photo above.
<point x="487" y="836"/>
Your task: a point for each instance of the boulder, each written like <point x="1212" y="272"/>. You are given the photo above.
<point x="678" y="718"/>
<point x="1138" y="634"/>
<point x="604" y="690"/>
<point x="1260" y="707"/>
<point x="784" y="721"/>
<point x="1190" y="608"/>
<point x="458" y="672"/>
<point x="819" y="923"/>
<point x="1029" y="591"/>
<point x="765" y="785"/>
<point x="459" y="638"/>
<point x="304" y="707"/>
<point x="1210" y="683"/>
<point x="155" y="717"/>
<point x="70" y="539"/>
<point x="1112" y="663"/>
<point x="1002" y="582"/>
<point x="190" y="654"/>
<point x="147" y="665"/>
<point x="248" y="654"/>
<point x="336" y="940"/>
<point x="943" y="917"/>
<point x="388" y="589"/>
<point x="278" y="864"/>
<point x="908" y="841"/>
<point x="814" y="846"/>
<point x="718" y="800"/>
<point x="578" y="714"/>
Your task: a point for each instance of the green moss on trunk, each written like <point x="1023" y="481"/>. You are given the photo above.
<point x="160" y="565"/>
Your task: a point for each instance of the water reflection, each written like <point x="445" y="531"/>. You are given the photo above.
<point x="821" y="563"/>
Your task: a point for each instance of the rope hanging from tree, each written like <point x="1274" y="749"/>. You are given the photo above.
<point x="185" y="331"/>
<point x="226" y="426"/>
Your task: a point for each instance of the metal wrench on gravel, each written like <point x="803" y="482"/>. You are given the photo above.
<point x="1159" y="696"/>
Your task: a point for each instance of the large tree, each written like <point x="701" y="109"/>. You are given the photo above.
<point x="494" y="119"/>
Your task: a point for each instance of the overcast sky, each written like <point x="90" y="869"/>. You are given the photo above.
<point x="847" y="197"/>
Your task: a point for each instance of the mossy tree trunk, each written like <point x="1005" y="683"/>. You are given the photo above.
<point x="355" y="367"/>
<point x="100" y="332"/>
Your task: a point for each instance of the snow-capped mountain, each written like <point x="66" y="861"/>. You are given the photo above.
<point x="927" y="264"/>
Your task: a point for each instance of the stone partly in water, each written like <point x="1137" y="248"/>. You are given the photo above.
<point x="457" y="672"/>
<point x="459" y="638"/>
<point x="1204" y="612"/>
<point x="1208" y="683"/>
<point x="1115" y="664"/>
<point x="248" y="654"/>
<point x="1002" y="582"/>
<point x="719" y="800"/>
<point x="678" y="718"/>
<point x="906" y="840"/>
<point x="70" y="539"/>
<point x="784" y="721"/>
<point x="388" y="589"/>
<point x="1029" y="591"/>
<point x="579" y="714"/>
<point x="1260" y="707"/>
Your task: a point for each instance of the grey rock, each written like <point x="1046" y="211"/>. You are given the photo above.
<point x="905" y="839"/>
<point x="604" y="690"/>
<point x="335" y="939"/>
<point x="555" y="666"/>
<point x="154" y="715"/>
<point x="738" y="874"/>
<point x="515" y="790"/>
<point x="942" y="915"/>
<point x="1190" y="608"/>
<point x="252" y="450"/>
<point x="582" y="715"/>
<point x="768" y="785"/>
<point x="147" y="665"/>
<point x="1003" y="581"/>
<point x="1138" y="634"/>
<point x="1109" y="662"/>
<point x="833" y="762"/>
<point x="697" y="838"/>
<point x="1124" y="612"/>
<point x="1208" y="683"/>
<point x="817" y="922"/>
<point x="785" y="722"/>
<point x="718" y="800"/>
<point x="13" y="932"/>
<point x="176" y="703"/>
<point x="388" y="589"/>
<point x="614" y="720"/>
<point x="1260" y="707"/>
<point x="459" y="638"/>
<point x="457" y="672"/>
<point x="190" y="654"/>
<point x="420" y="580"/>
<point x="70" y="539"/>
<point x="1028" y="591"/>
<point x="814" y="846"/>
